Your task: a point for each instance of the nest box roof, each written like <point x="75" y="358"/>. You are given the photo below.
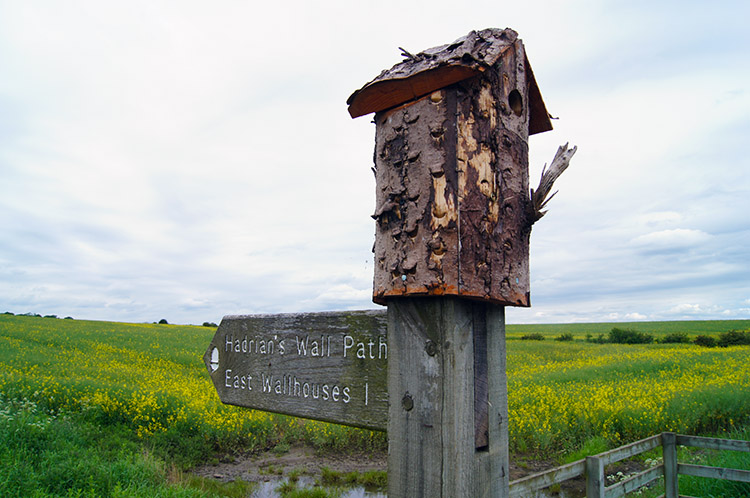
<point x="438" y="67"/>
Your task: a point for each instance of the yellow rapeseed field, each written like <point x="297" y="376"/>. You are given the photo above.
<point x="148" y="376"/>
<point x="152" y="378"/>
<point x="622" y="392"/>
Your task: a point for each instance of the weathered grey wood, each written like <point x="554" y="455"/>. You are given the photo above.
<point x="714" y="472"/>
<point x="431" y="433"/>
<point x="430" y="372"/>
<point x="529" y="484"/>
<point x="493" y="461"/>
<point x="324" y="366"/>
<point x="634" y="483"/>
<point x="481" y="380"/>
<point x="669" y="452"/>
<point x="594" y="477"/>
<point x="713" y="443"/>
<point x="559" y="164"/>
<point x="594" y="467"/>
<point x="630" y="450"/>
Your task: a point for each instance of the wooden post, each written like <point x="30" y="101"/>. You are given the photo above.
<point x="594" y="477"/>
<point x="454" y="215"/>
<point x="437" y="402"/>
<point x="494" y="462"/>
<point x="669" y="453"/>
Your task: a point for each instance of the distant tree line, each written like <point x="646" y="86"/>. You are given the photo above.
<point x="37" y="315"/>
<point x="163" y="321"/>
<point x="628" y="336"/>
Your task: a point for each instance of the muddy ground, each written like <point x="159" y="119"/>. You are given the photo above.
<point x="271" y="466"/>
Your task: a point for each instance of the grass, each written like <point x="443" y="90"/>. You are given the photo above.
<point x="135" y="402"/>
<point x="701" y="486"/>
<point x="45" y="455"/>
<point x="590" y="447"/>
<point x="698" y="486"/>
<point x="144" y="388"/>
<point x="150" y="378"/>
<point x="371" y="480"/>
<point x="562" y="394"/>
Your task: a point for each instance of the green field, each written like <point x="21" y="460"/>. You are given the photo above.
<point x="141" y="395"/>
<point x="658" y="329"/>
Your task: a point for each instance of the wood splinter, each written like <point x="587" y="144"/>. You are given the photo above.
<point x="559" y="164"/>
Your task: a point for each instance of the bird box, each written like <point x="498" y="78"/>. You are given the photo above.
<point x="453" y="210"/>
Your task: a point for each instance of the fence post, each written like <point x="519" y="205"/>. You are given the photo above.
<point x="669" y="452"/>
<point x="594" y="477"/>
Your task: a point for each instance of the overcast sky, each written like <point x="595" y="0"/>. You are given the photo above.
<point x="190" y="159"/>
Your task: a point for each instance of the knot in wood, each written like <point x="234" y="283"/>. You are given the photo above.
<point x="407" y="402"/>
<point x="431" y="348"/>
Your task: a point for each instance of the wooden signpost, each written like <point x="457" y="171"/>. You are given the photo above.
<point x="453" y="218"/>
<point x="454" y="215"/>
<point x="324" y="366"/>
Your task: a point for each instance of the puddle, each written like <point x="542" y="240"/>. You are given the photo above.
<point x="268" y="490"/>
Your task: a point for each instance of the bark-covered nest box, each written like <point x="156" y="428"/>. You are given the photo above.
<point x="453" y="208"/>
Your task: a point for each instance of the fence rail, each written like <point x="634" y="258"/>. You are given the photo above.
<point x="593" y="468"/>
<point x="529" y="484"/>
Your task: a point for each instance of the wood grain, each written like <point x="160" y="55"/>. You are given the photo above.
<point x="432" y="433"/>
<point x="323" y="366"/>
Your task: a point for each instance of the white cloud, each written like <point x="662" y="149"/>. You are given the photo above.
<point x="686" y="308"/>
<point x="661" y="218"/>
<point x="692" y="309"/>
<point x="676" y="238"/>
<point x="188" y="162"/>
<point x="621" y="317"/>
<point x="342" y="295"/>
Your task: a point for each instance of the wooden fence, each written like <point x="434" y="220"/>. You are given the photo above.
<point x="593" y="468"/>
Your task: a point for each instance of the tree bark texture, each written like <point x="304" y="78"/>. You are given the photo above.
<point x="452" y="200"/>
<point x="438" y="67"/>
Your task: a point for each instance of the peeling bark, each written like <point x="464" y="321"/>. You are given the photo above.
<point x="452" y="190"/>
<point x="439" y="67"/>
